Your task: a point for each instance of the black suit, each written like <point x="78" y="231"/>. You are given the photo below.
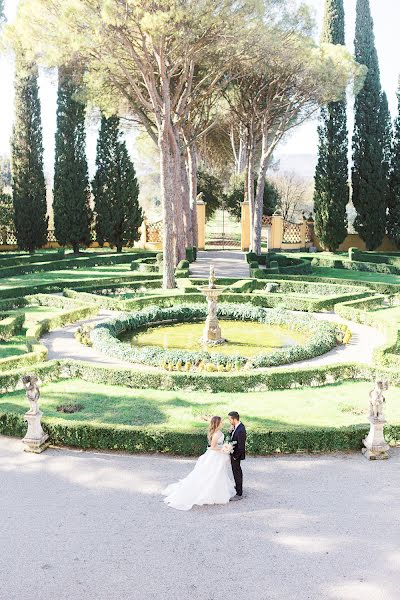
<point x="239" y="454"/>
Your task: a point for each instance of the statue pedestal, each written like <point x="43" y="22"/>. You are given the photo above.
<point x="376" y="447"/>
<point x="35" y="439"/>
<point x="212" y="332"/>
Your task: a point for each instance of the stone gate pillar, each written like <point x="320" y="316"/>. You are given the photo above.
<point x="201" y="224"/>
<point x="276" y="232"/>
<point x="245" y="244"/>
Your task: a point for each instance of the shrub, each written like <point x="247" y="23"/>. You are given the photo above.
<point x="369" y="267"/>
<point x="242" y="286"/>
<point x="354" y="254"/>
<point x="192" y="443"/>
<point x="183" y="264"/>
<point x="57" y="262"/>
<point x="10" y="326"/>
<point x="191" y="254"/>
<point x="378" y="286"/>
<point x="252" y="257"/>
<point x="297" y="267"/>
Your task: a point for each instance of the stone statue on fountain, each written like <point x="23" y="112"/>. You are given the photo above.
<point x="212" y="331"/>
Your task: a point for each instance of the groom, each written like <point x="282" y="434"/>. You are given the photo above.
<point x="238" y="435"/>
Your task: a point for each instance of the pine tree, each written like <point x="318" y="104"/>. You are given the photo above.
<point x="72" y="214"/>
<point x="331" y="193"/>
<point x="28" y="182"/>
<point x="369" y="169"/>
<point x="393" y="222"/>
<point x="115" y="189"/>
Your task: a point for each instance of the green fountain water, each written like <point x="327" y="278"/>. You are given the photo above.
<point x="243" y="337"/>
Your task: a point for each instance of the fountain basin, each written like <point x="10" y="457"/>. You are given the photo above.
<point x="244" y="338"/>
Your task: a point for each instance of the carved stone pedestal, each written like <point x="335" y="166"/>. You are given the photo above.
<point x="35" y="439"/>
<point x="376" y="447"/>
<point x="212" y="332"/>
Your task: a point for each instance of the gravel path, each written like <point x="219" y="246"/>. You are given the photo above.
<point x="85" y="525"/>
<point x="361" y="348"/>
<point x="227" y="263"/>
<point x="61" y="343"/>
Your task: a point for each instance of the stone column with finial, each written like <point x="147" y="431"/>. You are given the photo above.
<point x="375" y="444"/>
<point x="35" y="440"/>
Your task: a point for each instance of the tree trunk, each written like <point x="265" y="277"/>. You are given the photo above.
<point x="75" y="248"/>
<point x="242" y="154"/>
<point x="187" y="213"/>
<point x="119" y="248"/>
<point x="259" y="199"/>
<point x="168" y="180"/>
<point x="179" y="217"/>
<point x="250" y="181"/>
<point x="191" y="158"/>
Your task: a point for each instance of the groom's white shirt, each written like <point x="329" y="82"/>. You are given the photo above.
<point x="235" y="428"/>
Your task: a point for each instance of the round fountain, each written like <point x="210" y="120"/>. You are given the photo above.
<point x="212" y="331"/>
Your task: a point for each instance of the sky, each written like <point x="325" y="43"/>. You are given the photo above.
<point x="303" y="140"/>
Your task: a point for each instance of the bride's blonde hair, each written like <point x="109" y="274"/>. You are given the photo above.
<point x="213" y="426"/>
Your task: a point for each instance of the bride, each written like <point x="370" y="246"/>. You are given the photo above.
<point x="211" y="481"/>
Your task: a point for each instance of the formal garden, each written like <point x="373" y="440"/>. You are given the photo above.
<point x="105" y="280"/>
<point x="166" y="384"/>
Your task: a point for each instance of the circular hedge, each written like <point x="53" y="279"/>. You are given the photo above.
<point x="323" y="336"/>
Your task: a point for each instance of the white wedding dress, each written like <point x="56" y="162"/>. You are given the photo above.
<point x="210" y="482"/>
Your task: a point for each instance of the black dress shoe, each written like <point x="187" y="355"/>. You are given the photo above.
<point x="236" y="498"/>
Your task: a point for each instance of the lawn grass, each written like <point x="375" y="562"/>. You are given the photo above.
<point x="33" y="314"/>
<point x="52" y="277"/>
<point x="13" y="347"/>
<point x="335" y="405"/>
<point x="16" y="346"/>
<point x="388" y="314"/>
<point x="355" y="275"/>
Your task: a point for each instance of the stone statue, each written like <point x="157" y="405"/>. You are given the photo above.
<point x="212" y="279"/>
<point x="375" y="444"/>
<point x="212" y="308"/>
<point x="32" y="393"/>
<point x="35" y="440"/>
<point x="377" y="399"/>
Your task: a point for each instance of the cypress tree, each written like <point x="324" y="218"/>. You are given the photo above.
<point x="393" y="223"/>
<point x="331" y="193"/>
<point x="386" y="130"/>
<point x="28" y="182"/>
<point x="72" y="214"/>
<point x="115" y="189"/>
<point x="369" y="169"/>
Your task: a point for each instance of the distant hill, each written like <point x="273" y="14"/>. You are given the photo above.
<point x="301" y="164"/>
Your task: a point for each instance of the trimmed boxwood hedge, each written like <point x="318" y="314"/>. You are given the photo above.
<point x="60" y="285"/>
<point x="355" y="265"/>
<point x="10" y="326"/>
<point x="76" y="262"/>
<point x="323" y="335"/>
<point x="191" y="443"/>
<point x="241" y="381"/>
<point x="378" y="286"/>
<point x="235" y="294"/>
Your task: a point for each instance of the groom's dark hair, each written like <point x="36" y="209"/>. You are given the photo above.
<point x="234" y="415"/>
